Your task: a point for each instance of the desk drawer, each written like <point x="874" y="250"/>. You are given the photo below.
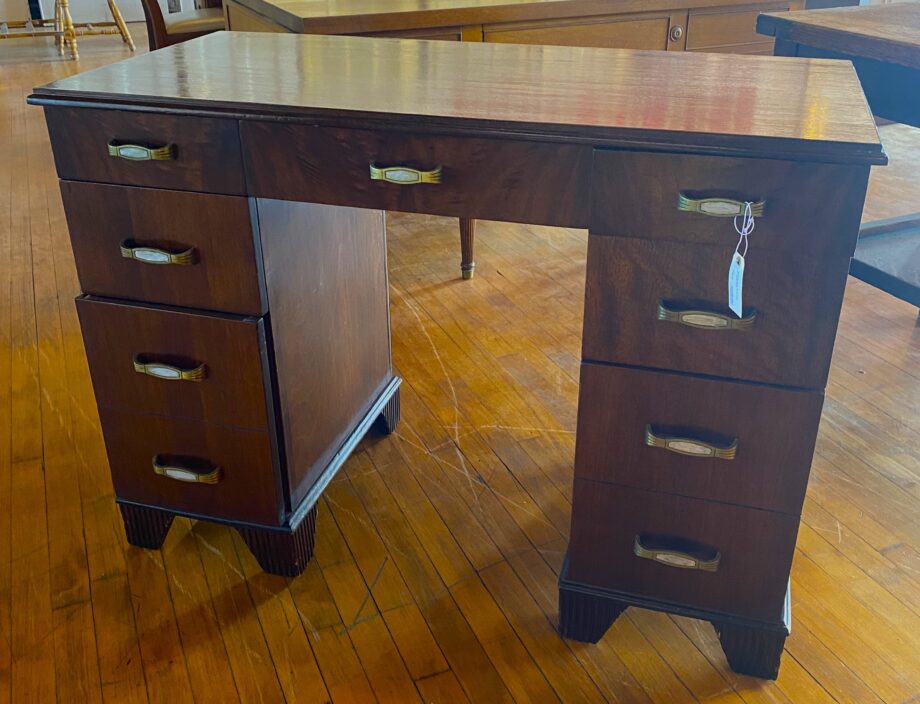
<point x="214" y="257"/>
<point x="195" y="153"/>
<point x="635" y="288"/>
<point x="206" y="367"/>
<point x="237" y="477"/>
<point x="808" y="209"/>
<point x="744" y="554"/>
<point x="533" y="182"/>
<point x="726" y="441"/>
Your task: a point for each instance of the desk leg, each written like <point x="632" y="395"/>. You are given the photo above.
<point x="467" y="241"/>
<point x="145" y="527"/>
<point x="281" y="552"/>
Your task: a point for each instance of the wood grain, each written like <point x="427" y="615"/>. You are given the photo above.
<point x="810" y="108"/>
<point x="225" y="275"/>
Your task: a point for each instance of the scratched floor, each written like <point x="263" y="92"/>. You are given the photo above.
<point x="438" y="548"/>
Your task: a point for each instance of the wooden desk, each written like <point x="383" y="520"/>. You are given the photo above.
<point x="235" y="293"/>
<point x="883" y="42"/>
<point x="672" y="25"/>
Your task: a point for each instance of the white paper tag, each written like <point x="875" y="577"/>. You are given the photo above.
<point x="735" y="283"/>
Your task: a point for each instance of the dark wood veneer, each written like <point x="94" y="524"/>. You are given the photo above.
<point x="756" y="548"/>
<point x="769" y="470"/>
<point x="226" y="273"/>
<point x="790" y="343"/>
<point x="634" y="194"/>
<point x="207" y="149"/>
<point x="550" y="181"/>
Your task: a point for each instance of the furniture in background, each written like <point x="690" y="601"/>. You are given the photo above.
<point x="253" y="198"/>
<point x="883" y="42"/>
<point x="65" y="31"/>
<point x="175" y="27"/>
<point x="673" y="25"/>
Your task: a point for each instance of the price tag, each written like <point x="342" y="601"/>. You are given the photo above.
<point x="736" y="268"/>
<point x="735" y="283"/>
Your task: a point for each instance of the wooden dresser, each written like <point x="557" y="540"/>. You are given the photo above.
<point x="229" y="237"/>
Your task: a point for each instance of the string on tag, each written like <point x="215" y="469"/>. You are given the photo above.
<point x="746" y="228"/>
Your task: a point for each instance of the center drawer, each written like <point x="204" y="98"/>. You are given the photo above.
<point x="534" y="182"/>
<point x="720" y="440"/>
<point x="665" y="305"/>
<point x="176" y="363"/>
<point x="699" y="554"/>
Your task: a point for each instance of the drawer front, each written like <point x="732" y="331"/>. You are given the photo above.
<point x="680" y="539"/>
<point x="196" y="153"/>
<point x="199" y="366"/>
<point x="235" y="476"/>
<point x="715" y="30"/>
<point x="725" y="441"/>
<point x="791" y="307"/>
<point x="533" y="182"/>
<point x="643" y="31"/>
<point x="184" y="249"/>
<point x="809" y="209"/>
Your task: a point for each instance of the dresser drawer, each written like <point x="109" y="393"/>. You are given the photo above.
<point x="808" y="209"/>
<point x="635" y="290"/>
<point x="533" y="182"/>
<point x="695" y="553"/>
<point x="184" y="249"/>
<point x="176" y="363"/>
<point x="194" y="153"/>
<point x="726" y="441"/>
<point x="193" y="467"/>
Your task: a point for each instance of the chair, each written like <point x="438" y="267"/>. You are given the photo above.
<point x="177" y="27"/>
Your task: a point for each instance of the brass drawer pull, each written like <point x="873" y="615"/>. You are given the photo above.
<point x="677" y="552"/>
<point x="186" y="469"/>
<point x="403" y="175"/>
<point x="154" y="255"/>
<point x="705" y="319"/>
<point x="718" y="207"/>
<point x="169" y="372"/>
<point x="692" y="447"/>
<point x="138" y="152"/>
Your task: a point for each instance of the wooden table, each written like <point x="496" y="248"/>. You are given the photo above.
<point x="883" y="42"/>
<point x="228" y="229"/>
<point x="672" y="25"/>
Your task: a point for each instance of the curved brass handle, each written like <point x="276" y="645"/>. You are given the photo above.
<point x="705" y="319"/>
<point x="677" y="552"/>
<point x="138" y="152"/>
<point x="692" y="447"/>
<point x="169" y="372"/>
<point x="403" y="175"/>
<point x="154" y="255"/>
<point x="186" y="469"/>
<point x="718" y="207"/>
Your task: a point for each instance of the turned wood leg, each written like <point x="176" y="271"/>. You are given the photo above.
<point x="389" y="416"/>
<point x="58" y="28"/>
<point x="467" y="240"/>
<point x="120" y="23"/>
<point x="285" y="553"/>
<point x="70" y="34"/>
<point x="584" y="617"/>
<point x="145" y="527"/>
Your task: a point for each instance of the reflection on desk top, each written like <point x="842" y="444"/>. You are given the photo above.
<point x="884" y="32"/>
<point x="791" y="108"/>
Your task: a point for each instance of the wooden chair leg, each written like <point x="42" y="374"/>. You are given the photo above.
<point x="120" y="23"/>
<point x="70" y="34"/>
<point x="467" y="240"/>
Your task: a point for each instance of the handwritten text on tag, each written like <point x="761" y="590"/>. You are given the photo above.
<point x="735" y="283"/>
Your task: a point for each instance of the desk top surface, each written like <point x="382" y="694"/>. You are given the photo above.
<point x="354" y="16"/>
<point x="883" y="32"/>
<point x="791" y="108"/>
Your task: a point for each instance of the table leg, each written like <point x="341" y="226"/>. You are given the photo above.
<point x="467" y="240"/>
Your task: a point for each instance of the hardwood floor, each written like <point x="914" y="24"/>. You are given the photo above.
<point x="438" y="548"/>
